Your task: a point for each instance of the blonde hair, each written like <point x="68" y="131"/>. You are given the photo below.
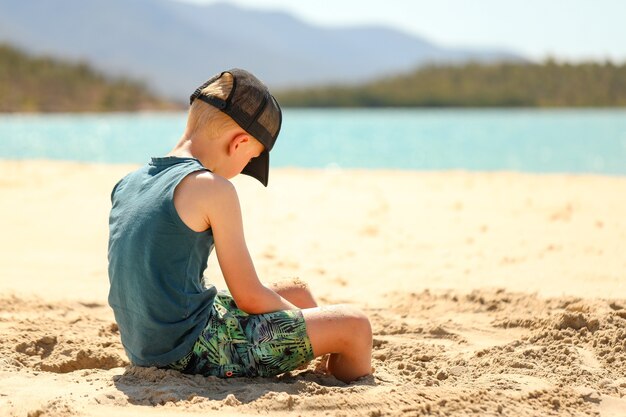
<point x="204" y="116"/>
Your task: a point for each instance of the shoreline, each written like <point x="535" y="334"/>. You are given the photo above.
<point x="332" y="168"/>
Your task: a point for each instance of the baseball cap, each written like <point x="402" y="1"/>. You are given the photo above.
<point x="254" y="109"/>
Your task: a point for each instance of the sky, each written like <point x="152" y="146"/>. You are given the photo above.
<point x="568" y="30"/>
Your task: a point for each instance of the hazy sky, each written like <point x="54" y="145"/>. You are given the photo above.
<point x="571" y="30"/>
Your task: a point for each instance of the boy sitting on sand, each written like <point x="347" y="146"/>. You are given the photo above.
<point x="166" y="218"/>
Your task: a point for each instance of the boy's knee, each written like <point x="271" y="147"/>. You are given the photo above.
<point x="290" y="284"/>
<point x="353" y="312"/>
<point x="297" y="283"/>
<point x="358" y="321"/>
<point x="295" y="291"/>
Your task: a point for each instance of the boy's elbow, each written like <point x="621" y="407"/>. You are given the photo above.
<point x="249" y="304"/>
<point x="256" y="301"/>
<point x="247" y="301"/>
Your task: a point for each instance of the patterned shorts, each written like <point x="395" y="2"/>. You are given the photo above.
<point x="234" y="343"/>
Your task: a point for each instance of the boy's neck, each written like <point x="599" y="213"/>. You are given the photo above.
<point x="182" y="149"/>
<point x="188" y="148"/>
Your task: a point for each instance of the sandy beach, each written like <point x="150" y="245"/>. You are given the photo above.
<point x="489" y="294"/>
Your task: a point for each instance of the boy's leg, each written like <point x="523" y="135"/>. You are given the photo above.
<point x="345" y="333"/>
<point x="295" y="291"/>
<point x="339" y="330"/>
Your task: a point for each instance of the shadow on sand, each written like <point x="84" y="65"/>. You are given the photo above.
<point x="153" y="386"/>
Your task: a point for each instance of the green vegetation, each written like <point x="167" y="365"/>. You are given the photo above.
<point x="29" y="84"/>
<point x="549" y="84"/>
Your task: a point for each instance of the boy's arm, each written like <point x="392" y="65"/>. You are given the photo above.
<point x="224" y="216"/>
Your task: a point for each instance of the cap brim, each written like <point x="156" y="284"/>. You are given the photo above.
<point x="259" y="167"/>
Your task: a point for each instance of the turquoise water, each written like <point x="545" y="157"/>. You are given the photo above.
<point x="575" y="141"/>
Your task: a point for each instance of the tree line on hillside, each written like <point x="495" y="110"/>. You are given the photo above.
<point x="547" y="84"/>
<point x="42" y="84"/>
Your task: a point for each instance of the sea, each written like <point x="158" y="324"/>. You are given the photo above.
<point x="525" y="140"/>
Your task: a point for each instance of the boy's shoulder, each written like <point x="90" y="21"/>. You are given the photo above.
<point x="201" y="196"/>
<point x="206" y="184"/>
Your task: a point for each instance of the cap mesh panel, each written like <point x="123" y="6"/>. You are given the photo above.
<point x="270" y="118"/>
<point x="248" y="100"/>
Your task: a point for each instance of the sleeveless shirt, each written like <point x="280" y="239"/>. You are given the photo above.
<point x="156" y="265"/>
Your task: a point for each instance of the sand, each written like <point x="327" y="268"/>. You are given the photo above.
<point x="489" y="294"/>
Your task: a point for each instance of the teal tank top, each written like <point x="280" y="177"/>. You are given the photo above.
<point x="156" y="265"/>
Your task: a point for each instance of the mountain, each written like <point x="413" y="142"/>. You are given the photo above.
<point x="504" y="84"/>
<point x="29" y="84"/>
<point x="174" y="46"/>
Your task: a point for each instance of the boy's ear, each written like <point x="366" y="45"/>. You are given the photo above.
<point x="236" y="141"/>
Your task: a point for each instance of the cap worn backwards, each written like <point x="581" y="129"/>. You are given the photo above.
<point x="254" y="109"/>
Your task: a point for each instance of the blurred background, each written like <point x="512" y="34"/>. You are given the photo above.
<point x="485" y="85"/>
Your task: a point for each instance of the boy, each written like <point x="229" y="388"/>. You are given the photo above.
<point x="166" y="218"/>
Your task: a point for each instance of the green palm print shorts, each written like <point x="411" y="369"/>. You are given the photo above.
<point x="235" y="343"/>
